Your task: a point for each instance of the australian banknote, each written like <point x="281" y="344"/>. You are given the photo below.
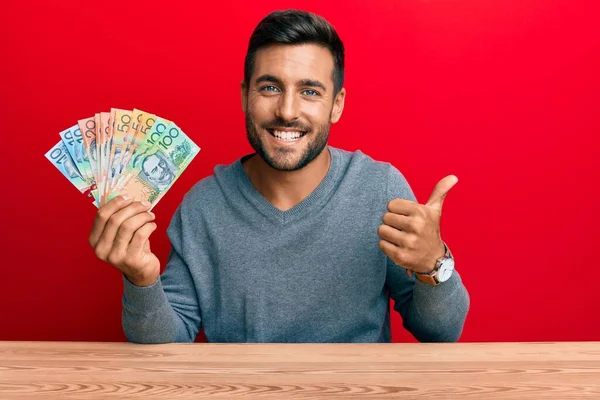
<point x="155" y="168"/>
<point x="130" y="152"/>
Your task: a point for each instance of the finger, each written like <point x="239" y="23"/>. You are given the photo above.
<point x="139" y="243"/>
<point x="120" y="248"/>
<point x="436" y="200"/>
<point x="129" y="227"/>
<point x="393" y="252"/>
<point x="116" y="255"/>
<point x="111" y="228"/>
<point x="389" y="249"/>
<point x="103" y="215"/>
<point x="402" y="207"/>
<point x="400" y="222"/>
<point x="392" y="235"/>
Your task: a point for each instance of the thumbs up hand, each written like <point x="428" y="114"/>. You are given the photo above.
<point x="410" y="233"/>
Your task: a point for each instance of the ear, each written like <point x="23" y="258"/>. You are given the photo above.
<point x="244" y="93"/>
<point x="338" y="106"/>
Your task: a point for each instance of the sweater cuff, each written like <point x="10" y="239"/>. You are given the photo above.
<point x="144" y="298"/>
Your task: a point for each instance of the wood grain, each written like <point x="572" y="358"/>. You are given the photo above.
<point x="79" y="370"/>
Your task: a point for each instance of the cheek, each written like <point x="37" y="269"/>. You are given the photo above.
<point x="317" y="113"/>
<point x="260" y="108"/>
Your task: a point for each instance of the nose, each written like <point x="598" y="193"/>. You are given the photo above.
<point x="288" y="107"/>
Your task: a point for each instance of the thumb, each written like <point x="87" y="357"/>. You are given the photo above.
<point x="436" y="200"/>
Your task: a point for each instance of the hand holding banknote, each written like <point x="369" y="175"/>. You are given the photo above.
<point x="120" y="236"/>
<point x="126" y="161"/>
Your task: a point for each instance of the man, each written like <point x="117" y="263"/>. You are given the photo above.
<point x="157" y="170"/>
<point x="299" y="242"/>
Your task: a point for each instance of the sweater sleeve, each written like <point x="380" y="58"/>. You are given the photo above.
<point x="429" y="313"/>
<point x="167" y="311"/>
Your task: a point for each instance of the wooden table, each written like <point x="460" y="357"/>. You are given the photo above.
<point x="79" y="370"/>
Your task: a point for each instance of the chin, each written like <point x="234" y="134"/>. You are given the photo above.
<point x="290" y="161"/>
<point x="284" y="164"/>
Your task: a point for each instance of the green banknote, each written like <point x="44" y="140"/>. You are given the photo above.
<point x="155" y="168"/>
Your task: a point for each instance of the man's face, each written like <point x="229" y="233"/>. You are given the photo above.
<point x="155" y="168"/>
<point x="289" y="104"/>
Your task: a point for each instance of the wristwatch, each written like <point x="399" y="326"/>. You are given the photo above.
<point x="444" y="267"/>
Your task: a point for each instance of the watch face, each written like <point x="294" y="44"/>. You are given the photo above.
<point x="445" y="271"/>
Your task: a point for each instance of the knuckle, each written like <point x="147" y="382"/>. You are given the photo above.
<point x="129" y="225"/>
<point x="113" y="259"/>
<point x="102" y="214"/>
<point x="422" y="225"/>
<point x="118" y="202"/>
<point x="139" y="234"/>
<point x="99" y="253"/>
<point x="412" y="242"/>
<point x="414" y="225"/>
<point x="398" y="255"/>
<point x="125" y="230"/>
<point x="126" y="225"/>
<point x="113" y="221"/>
<point x="385" y="249"/>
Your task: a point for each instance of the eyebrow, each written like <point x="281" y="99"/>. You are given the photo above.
<point x="301" y="82"/>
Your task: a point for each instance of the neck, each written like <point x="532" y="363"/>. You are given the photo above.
<point x="285" y="189"/>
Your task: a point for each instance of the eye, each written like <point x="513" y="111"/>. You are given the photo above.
<point x="310" y="92"/>
<point x="268" y="88"/>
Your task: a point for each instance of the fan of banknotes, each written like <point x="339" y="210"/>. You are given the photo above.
<point x="123" y="152"/>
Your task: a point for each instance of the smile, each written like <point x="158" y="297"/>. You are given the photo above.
<point x="286" y="136"/>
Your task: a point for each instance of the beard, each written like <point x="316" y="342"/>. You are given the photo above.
<point x="280" y="160"/>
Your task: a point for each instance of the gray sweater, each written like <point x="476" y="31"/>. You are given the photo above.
<point x="246" y="271"/>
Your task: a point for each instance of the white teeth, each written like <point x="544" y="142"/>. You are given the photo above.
<point x="287" y="135"/>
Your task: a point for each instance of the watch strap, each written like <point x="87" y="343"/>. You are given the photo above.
<point x="431" y="277"/>
<point x="428" y="279"/>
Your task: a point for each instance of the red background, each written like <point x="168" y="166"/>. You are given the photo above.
<point x="503" y="94"/>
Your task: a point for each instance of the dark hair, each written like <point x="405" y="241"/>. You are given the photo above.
<point x="296" y="27"/>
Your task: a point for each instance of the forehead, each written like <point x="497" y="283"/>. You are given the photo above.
<point x="291" y="63"/>
<point x="152" y="159"/>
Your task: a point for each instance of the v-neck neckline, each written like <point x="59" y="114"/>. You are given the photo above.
<point x="307" y="205"/>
